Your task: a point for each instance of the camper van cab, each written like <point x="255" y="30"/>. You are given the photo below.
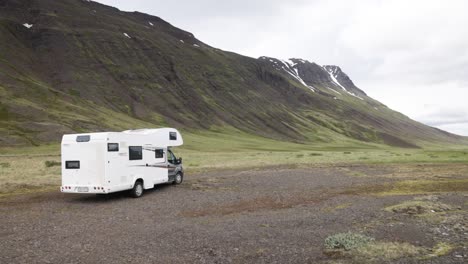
<point x="108" y="162"/>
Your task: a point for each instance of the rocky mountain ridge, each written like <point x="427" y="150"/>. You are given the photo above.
<point x="79" y="66"/>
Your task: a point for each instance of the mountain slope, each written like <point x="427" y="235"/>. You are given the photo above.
<point x="74" y="65"/>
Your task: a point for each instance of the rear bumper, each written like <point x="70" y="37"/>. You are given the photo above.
<point x="83" y="189"/>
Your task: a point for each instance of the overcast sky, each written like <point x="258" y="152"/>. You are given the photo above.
<point x="410" y="55"/>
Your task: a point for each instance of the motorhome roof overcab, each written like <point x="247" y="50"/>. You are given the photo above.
<point x="108" y="162"/>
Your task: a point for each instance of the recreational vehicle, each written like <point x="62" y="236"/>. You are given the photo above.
<point x="108" y="162"/>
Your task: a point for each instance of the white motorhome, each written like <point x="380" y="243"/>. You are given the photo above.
<point x="108" y="162"/>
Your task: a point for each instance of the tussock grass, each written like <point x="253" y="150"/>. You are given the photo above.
<point x="315" y="154"/>
<point x="384" y="251"/>
<point x="364" y="249"/>
<point x="52" y="163"/>
<point x="441" y="249"/>
<point x="418" y="207"/>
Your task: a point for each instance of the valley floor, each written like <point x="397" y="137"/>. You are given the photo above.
<point x="417" y="213"/>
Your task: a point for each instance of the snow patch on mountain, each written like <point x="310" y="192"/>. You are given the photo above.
<point x="28" y="26"/>
<point x="332" y="71"/>
<point x="125" y="34"/>
<point x="291" y="62"/>
<point x="333" y="90"/>
<point x="290" y="68"/>
<point x="151" y="24"/>
<point x="333" y="76"/>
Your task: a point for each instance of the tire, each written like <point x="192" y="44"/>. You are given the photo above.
<point x="178" y="178"/>
<point x="137" y="190"/>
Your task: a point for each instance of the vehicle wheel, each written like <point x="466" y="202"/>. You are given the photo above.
<point x="178" y="179"/>
<point x="137" y="190"/>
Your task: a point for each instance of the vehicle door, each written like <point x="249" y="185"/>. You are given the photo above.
<point x="171" y="164"/>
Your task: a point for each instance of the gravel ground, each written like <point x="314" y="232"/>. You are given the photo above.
<point x="272" y="215"/>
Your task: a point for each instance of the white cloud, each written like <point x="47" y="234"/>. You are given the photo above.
<point x="410" y="55"/>
<point x="421" y="41"/>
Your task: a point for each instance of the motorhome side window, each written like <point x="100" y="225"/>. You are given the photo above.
<point x="135" y="153"/>
<point x="86" y="138"/>
<point x="159" y="153"/>
<point x="112" y="147"/>
<point x="172" y="136"/>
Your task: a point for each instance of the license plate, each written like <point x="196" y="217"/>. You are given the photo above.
<point x="82" y="189"/>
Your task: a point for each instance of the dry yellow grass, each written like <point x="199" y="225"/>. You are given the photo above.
<point x="384" y="251"/>
<point x="426" y="187"/>
<point x="441" y="249"/>
<point x="28" y="174"/>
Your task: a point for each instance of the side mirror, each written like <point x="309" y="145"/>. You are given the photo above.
<point x="180" y="160"/>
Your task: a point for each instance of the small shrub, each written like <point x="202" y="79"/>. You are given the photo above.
<point x="52" y="163"/>
<point x="315" y="154"/>
<point x="347" y="241"/>
<point x="5" y="165"/>
<point x="347" y="152"/>
<point x="299" y="155"/>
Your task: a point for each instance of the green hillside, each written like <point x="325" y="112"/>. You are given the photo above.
<point x="78" y="66"/>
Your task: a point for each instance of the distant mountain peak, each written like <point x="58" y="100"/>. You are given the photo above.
<point x="343" y="80"/>
<point x="312" y="75"/>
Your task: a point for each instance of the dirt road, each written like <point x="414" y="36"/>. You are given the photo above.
<point x="272" y="215"/>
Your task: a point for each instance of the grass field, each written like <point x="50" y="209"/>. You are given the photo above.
<point x="25" y="170"/>
<point x="421" y="189"/>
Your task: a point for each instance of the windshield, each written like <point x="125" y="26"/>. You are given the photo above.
<point x="171" y="158"/>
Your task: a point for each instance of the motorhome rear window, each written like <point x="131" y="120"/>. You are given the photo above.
<point x="135" y="153"/>
<point x="159" y="153"/>
<point x="83" y="138"/>
<point x="72" y="164"/>
<point x="172" y="136"/>
<point x="112" y="147"/>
